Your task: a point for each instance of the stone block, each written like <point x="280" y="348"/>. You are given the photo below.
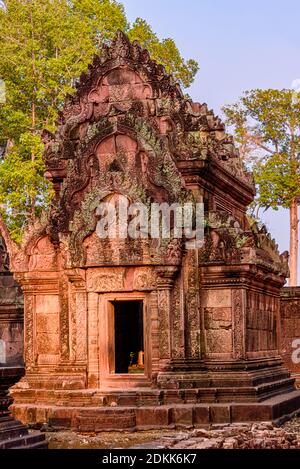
<point x="201" y="415"/>
<point x="250" y="412"/>
<point x="220" y="413"/>
<point x="47" y="323"/>
<point x="47" y="343"/>
<point x="218" y="340"/>
<point x="47" y="304"/>
<point x="153" y="417"/>
<point x="220" y="298"/>
<point x="182" y="415"/>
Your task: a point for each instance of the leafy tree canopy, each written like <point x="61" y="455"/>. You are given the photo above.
<point x="267" y="128"/>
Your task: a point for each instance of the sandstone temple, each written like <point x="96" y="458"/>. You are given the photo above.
<point x="142" y="333"/>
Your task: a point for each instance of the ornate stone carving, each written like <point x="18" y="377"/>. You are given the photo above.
<point x="106" y="282"/>
<point x="64" y="319"/>
<point x="261" y="322"/>
<point x="165" y="281"/>
<point x="164" y="323"/>
<point x="145" y="279"/>
<point x="73" y="322"/>
<point x="42" y="256"/>
<point x="29" y="331"/>
<point x="81" y="325"/>
<point x="238" y="314"/>
<point x="174" y="252"/>
<point x="177" y="321"/>
<point x="192" y="304"/>
<point x="226" y="242"/>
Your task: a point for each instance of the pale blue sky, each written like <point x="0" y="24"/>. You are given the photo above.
<point x="239" y="45"/>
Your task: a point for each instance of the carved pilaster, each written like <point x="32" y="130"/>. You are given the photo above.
<point x="81" y="330"/>
<point x="238" y="314"/>
<point x="29" y="331"/>
<point x="192" y="304"/>
<point x="177" y="338"/>
<point x="64" y="321"/>
<point x="93" y="338"/>
<point x="165" y="281"/>
<point x="72" y="314"/>
<point x="155" y="336"/>
<point x="78" y="316"/>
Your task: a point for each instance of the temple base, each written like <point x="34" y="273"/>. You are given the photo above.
<point x="116" y="411"/>
<point x="184" y="395"/>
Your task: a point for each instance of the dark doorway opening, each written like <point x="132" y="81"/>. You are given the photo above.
<point x="129" y="337"/>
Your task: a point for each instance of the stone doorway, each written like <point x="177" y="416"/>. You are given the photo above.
<point x="129" y="337"/>
<point x="123" y="328"/>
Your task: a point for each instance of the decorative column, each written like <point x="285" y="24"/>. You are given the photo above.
<point x="93" y="337"/>
<point x="165" y="282"/>
<point x="238" y="319"/>
<point x="192" y="305"/>
<point x="29" y="354"/>
<point x="78" y="316"/>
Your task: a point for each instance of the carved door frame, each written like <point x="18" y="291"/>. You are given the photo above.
<point x="105" y="308"/>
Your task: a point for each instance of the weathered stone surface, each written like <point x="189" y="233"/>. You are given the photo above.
<point x="290" y="329"/>
<point x="238" y="436"/>
<point x="11" y="314"/>
<point x="13" y="434"/>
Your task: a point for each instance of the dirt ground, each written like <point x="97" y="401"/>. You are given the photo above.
<point x="225" y="436"/>
<point x="103" y="440"/>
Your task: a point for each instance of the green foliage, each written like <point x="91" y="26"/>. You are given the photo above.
<point x="44" y="46"/>
<point x="268" y="122"/>
<point x="164" y="52"/>
<point x="278" y="181"/>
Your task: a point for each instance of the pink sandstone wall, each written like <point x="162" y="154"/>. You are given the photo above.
<point x="290" y="329"/>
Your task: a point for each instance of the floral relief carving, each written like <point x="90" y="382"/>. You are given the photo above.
<point x="106" y="282"/>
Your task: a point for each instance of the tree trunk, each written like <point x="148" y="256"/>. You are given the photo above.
<point x="293" y="281"/>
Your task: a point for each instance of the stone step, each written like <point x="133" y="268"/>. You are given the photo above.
<point x="30" y="441"/>
<point x="13" y="434"/>
<point x="37" y="445"/>
<point x="13" y="431"/>
<point x="97" y="419"/>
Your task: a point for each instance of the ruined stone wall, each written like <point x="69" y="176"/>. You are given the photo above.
<point x="290" y="329"/>
<point x="11" y="314"/>
<point x="261" y="322"/>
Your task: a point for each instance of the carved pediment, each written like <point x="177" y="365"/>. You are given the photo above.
<point x="118" y="88"/>
<point x="124" y="79"/>
<point x="127" y="130"/>
<point x="117" y="152"/>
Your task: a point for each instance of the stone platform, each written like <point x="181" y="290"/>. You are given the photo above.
<point x="113" y="414"/>
<point x="290" y="330"/>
